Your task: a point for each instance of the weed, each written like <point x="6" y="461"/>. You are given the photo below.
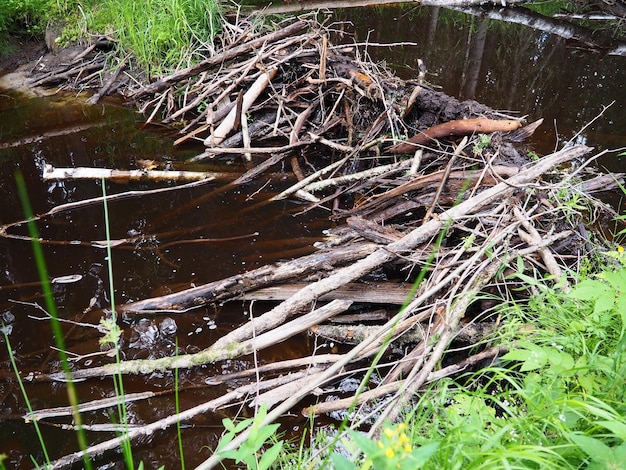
<point x="258" y="437"/>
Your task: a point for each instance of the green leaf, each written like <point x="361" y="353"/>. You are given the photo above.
<point x="589" y="289"/>
<point x="604" y="303"/>
<point x="616" y="427"/>
<point x="591" y="446"/>
<point x="533" y="357"/>
<point x="228" y="424"/>
<point x="270" y="456"/>
<point x="341" y="463"/>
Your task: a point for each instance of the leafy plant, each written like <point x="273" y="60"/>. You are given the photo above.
<point x="392" y="451"/>
<point x="258" y="437"/>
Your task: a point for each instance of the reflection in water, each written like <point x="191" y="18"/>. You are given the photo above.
<point x="506" y="66"/>
<point x="167" y="242"/>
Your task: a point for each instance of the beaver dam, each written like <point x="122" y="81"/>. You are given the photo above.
<point x="436" y="210"/>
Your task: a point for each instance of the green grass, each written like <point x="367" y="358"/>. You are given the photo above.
<point x="161" y="34"/>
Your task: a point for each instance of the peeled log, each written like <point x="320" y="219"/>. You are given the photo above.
<point x="456" y="128"/>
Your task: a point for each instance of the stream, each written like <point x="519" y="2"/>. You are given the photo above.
<point x="191" y="236"/>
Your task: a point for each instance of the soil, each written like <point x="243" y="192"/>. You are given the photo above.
<point x="19" y="51"/>
<point x="23" y="55"/>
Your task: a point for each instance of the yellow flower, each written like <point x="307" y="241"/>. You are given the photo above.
<point x="380" y="444"/>
<point x="620" y="248"/>
<point x="389" y="432"/>
<point x="389" y="452"/>
<point x="408" y="448"/>
<point x="403" y="438"/>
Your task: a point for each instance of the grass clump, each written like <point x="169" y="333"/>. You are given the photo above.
<point x="161" y="34"/>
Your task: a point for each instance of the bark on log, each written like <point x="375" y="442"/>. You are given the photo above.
<point x="456" y="128"/>
<point x="261" y="277"/>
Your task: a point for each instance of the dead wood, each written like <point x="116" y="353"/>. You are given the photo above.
<point x="240" y="283"/>
<point x="218" y="59"/>
<point x="456" y="128"/>
<point x="472" y="333"/>
<point x="51" y="173"/>
<point x="391" y="293"/>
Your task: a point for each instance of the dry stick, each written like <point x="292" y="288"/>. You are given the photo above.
<point x="214" y="85"/>
<point x="452" y="318"/>
<point x="82" y="173"/>
<point x="531" y="237"/>
<point x="393" y="387"/>
<point x="444" y="179"/>
<point x="249" y="98"/>
<point x="218" y="59"/>
<point x="160" y="425"/>
<point x="362" y="175"/>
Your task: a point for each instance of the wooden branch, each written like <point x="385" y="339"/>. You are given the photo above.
<point x="261" y="277"/>
<point x="354" y="334"/>
<point x="212" y="354"/>
<point x="227" y="125"/>
<point x="226" y="55"/>
<point x="391" y="293"/>
<point x="456" y="128"/>
<point x="51" y="173"/>
<point x="393" y="387"/>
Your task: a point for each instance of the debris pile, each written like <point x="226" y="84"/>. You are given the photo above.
<point x="438" y="214"/>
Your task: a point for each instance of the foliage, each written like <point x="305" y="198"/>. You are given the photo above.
<point x="259" y="436"/>
<point x="160" y="33"/>
<point x="392" y="451"/>
<point x="31" y="16"/>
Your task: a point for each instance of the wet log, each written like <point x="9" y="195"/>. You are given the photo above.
<point x="257" y="278"/>
<point x="354" y="334"/>
<point x="456" y="128"/>
<point x="391" y="293"/>
<point x="51" y="173"/>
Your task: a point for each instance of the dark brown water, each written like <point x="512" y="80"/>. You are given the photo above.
<point x="509" y="67"/>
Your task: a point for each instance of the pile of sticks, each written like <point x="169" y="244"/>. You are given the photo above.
<point x="420" y="239"/>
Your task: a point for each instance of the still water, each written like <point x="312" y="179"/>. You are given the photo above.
<point x="506" y="66"/>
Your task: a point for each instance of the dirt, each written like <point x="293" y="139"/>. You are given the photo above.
<point x="23" y="56"/>
<point x="19" y="51"/>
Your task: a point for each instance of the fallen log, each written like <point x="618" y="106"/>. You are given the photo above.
<point x="456" y="128"/>
<point x="51" y="173"/>
<point x="391" y="293"/>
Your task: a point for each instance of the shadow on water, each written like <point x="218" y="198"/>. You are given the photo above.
<point x="177" y="239"/>
<point x="506" y="66"/>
